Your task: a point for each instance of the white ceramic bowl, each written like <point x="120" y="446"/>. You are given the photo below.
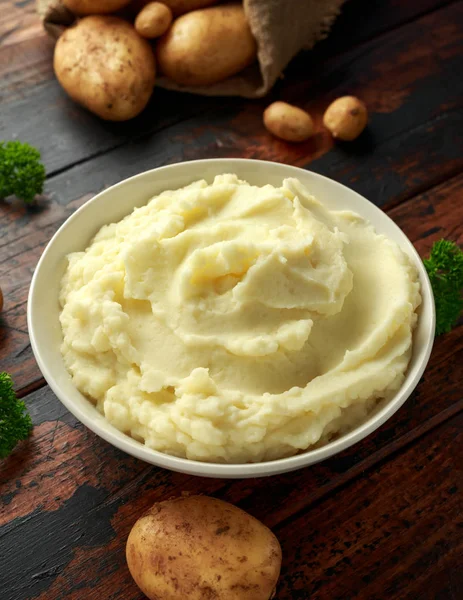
<point x="116" y="202"/>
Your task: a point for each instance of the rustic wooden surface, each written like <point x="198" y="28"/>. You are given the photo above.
<point x="381" y="520"/>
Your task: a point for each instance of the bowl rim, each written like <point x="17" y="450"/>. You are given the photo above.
<point x="234" y="470"/>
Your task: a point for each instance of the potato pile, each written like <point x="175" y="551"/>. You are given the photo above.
<point x="107" y="62"/>
<point x="198" y="547"/>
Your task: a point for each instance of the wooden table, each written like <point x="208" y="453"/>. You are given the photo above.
<point x="381" y="520"/>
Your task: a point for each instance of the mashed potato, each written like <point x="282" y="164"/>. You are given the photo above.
<point x="233" y="323"/>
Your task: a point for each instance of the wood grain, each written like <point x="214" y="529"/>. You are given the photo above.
<point x="76" y="533"/>
<point x="360" y="21"/>
<point x="25" y="50"/>
<point x="380" y="520"/>
<point x="396" y="533"/>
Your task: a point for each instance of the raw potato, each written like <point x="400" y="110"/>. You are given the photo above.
<point x="94" y="7"/>
<point x="104" y="64"/>
<point x="207" y="46"/>
<point x="153" y="20"/>
<point x="346" y="118"/>
<point x="288" y="122"/>
<point x="1" y="299"/>
<point x="180" y="7"/>
<point x="199" y="547"/>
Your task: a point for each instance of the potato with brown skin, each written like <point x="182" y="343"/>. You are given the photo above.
<point x="288" y="122"/>
<point x="94" y="7"/>
<point x="207" y="46"/>
<point x="104" y="64"/>
<point x="153" y="20"/>
<point x="1" y="300"/>
<point x="199" y="547"/>
<point x="346" y="118"/>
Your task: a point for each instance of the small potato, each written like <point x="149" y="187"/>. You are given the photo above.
<point x="104" y="64"/>
<point x="94" y="7"/>
<point x="288" y="122"/>
<point x="180" y="7"/>
<point x="199" y="547"/>
<point x="206" y="46"/>
<point x="346" y="118"/>
<point x="153" y="20"/>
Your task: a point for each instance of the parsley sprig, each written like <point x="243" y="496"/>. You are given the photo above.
<point x="445" y="270"/>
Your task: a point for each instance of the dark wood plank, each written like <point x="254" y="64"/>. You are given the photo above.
<point x="24" y="64"/>
<point x="25" y="50"/>
<point x="76" y="533"/>
<point x="394" y="533"/>
<point x="72" y="135"/>
<point x="360" y="21"/>
<point x="66" y="134"/>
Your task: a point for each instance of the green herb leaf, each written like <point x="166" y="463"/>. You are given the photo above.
<point x="15" y="422"/>
<point x="21" y="172"/>
<point x="445" y="270"/>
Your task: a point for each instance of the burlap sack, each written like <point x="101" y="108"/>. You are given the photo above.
<point x="281" y="27"/>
